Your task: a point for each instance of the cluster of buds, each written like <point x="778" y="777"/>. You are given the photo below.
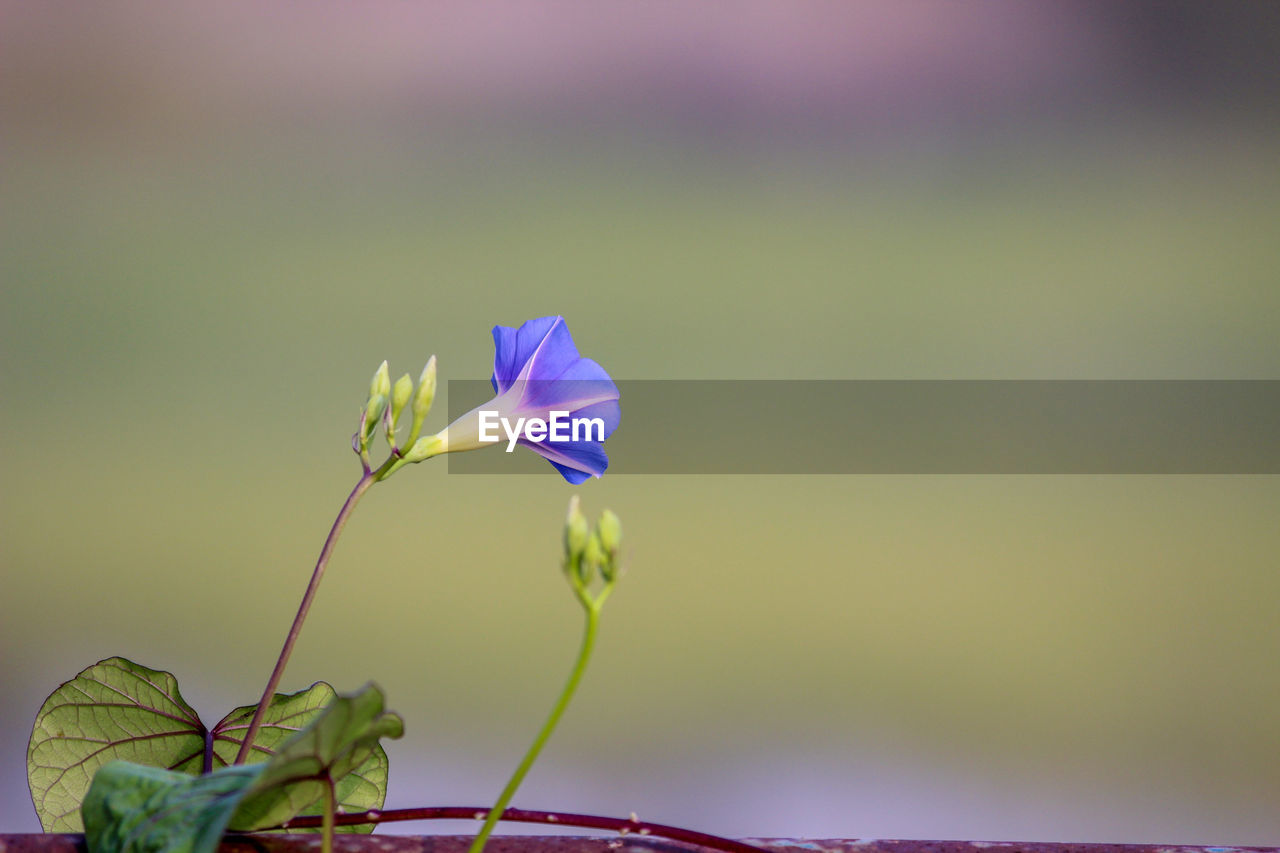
<point x="590" y="553"/>
<point x="387" y="403"/>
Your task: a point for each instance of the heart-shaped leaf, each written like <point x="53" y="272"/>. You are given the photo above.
<point x="362" y="788"/>
<point x="288" y="714"/>
<point x="119" y="710"/>
<point x="338" y="744"/>
<point x="135" y="809"/>
<point x="115" y="709"/>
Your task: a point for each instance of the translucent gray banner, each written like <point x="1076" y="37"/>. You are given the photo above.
<point x="922" y="427"/>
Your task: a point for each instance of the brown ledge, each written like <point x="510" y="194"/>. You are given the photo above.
<point x="345" y="843"/>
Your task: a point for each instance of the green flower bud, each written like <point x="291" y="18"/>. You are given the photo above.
<point x="576" y="532"/>
<point x="379" y="391"/>
<point x="610" y="530"/>
<point x="381" y="384"/>
<point x="423" y="399"/>
<point x="373" y="414"/>
<point x="399" y="397"/>
<point x="593" y="557"/>
<point x="426" y="389"/>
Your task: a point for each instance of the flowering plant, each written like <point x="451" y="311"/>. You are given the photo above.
<point x="118" y="753"/>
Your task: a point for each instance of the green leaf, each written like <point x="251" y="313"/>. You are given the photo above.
<point x="119" y="710"/>
<point x="115" y="709"/>
<point x="360" y="788"/>
<point x="136" y="809"/>
<point x="336" y="748"/>
<point x="287" y="714"/>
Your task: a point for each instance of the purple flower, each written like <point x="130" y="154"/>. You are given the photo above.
<point x="549" y="398"/>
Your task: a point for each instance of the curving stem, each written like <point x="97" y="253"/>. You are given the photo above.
<point x="622" y="826"/>
<point x="369" y="478"/>
<point x="592" y="610"/>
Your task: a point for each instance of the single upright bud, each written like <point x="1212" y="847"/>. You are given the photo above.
<point x="610" y="530"/>
<point x="423" y="399"/>
<point x="381" y="383"/>
<point x="379" y="391"/>
<point x="594" y="558"/>
<point x="426" y="389"/>
<point x="576" y="533"/>
<point x="400" y="397"/>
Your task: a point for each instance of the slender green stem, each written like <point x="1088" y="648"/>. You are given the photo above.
<point x="369" y="478"/>
<point x="392" y="465"/>
<point x="579" y="667"/>
<point x="330" y="807"/>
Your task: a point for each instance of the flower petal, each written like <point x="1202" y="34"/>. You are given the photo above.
<point x="536" y="371"/>
<point x="539" y="349"/>
<point x="572" y="475"/>
<point x="609" y="411"/>
<point x="582" y="383"/>
<point x="585" y="458"/>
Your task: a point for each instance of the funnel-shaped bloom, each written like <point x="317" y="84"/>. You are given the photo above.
<point x="539" y="377"/>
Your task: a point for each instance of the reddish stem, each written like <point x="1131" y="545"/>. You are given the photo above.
<point x="296" y="628"/>
<point x="623" y="826"/>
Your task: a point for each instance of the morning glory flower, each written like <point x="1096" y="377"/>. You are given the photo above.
<point x="549" y="399"/>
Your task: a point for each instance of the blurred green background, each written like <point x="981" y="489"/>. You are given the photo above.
<point x="216" y="221"/>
